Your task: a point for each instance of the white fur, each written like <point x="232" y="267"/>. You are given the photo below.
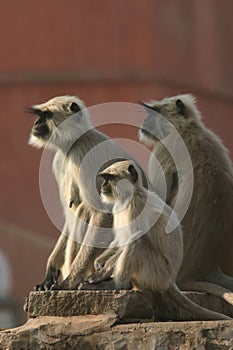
<point x="65" y="127"/>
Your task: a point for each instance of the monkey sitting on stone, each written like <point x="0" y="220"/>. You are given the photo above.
<point x="208" y="221"/>
<point x="148" y="258"/>
<point x="63" y="125"/>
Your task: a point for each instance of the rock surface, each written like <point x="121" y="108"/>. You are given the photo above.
<point x="129" y="305"/>
<point x="98" y="332"/>
<point x="105" y="320"/>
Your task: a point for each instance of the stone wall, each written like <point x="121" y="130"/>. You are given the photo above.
<point x="116" y="320"/>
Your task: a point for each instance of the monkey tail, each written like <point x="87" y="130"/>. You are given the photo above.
<point x="200" y="312"/>
<point x="210" y="288"/>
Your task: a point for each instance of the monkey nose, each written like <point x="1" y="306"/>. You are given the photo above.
<point x="39" y="121"/>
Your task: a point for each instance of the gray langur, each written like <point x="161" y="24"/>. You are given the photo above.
<point x="208" y="221"/>
<point x="63" y="125"/>
<point x="148" y="258"/>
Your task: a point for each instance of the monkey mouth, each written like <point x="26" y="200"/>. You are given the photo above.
<point x="106" y="193"/>
<point x="148" y="134"/>
<point x="40" y="129"/>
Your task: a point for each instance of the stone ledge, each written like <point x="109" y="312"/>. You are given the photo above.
<point x="128" y="305"/>
<point x="98" y="332"/>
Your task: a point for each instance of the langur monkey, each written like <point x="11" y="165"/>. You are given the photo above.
<point x="148" y="258"/>
<point x="63" y="125"/>
<point x="208" y="222"/>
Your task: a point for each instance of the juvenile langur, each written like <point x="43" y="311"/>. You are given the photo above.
<point x="149" y="258"/>
<point x="63" y="125"/>
<point x="208" y="222"/>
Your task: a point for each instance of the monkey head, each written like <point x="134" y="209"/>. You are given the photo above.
<point x="50" y="116"/>
<point x="179" y="111"/>
<point x="119" y="180"/>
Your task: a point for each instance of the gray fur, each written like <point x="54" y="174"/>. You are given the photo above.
<point x="88" y="226"/>
<point x="152" y="261"/>
<point x="208" y="223"/>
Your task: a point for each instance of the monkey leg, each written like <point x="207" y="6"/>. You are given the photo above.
<point x="143" y="266"/>
<point x="93" y="234"/>
<point x="72" y="249"/>
<point x="54" y="264"/>
<point x="79" y="268"/>
<point x="124" y="267"/>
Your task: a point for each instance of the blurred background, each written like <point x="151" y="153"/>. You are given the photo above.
<point x="102" y="51"/>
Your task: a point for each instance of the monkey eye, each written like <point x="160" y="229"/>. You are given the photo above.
<point x="107" y="177"/>
<point x="47" y="114"/>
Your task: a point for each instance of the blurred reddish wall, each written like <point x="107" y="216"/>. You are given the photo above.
<point x="102" y="51"/>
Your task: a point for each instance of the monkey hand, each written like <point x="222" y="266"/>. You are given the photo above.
<point x="50" y="280"/>
<point x="86" y="286"/>
<point x="107" y="284"/>
<point x="99" y="276"/>
<point x="44" y="286"/>
<point x="68" y="284"/>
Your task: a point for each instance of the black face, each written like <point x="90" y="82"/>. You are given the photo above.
<point x="40" y="128"/>
<point x="110" y="180"/>
<point x="148" y="123"/>
<point x="106" y="188"/>
<point x="155" y="126"/>
<point x="148" y="126"/>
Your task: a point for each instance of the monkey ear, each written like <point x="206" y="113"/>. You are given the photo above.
<point x="181" y="108"/>
<point x="75" y="107"/>
<point x="133" y="172"/>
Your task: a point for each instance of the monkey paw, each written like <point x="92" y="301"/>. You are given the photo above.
<point x="85" y="286"/>
<point x="62" y="286"/>
<point x="98" y="276"/>
<point x="45" y="286"/>
<point x="99" y="264"/>
<point x="67" y="284"/>
<point x="108" y="284"/>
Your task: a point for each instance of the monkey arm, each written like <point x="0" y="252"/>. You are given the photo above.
<point x="157" y="174"/>
<point x="75" y="199"/>
<point x="106" y="262"/>
<point x="172" y="186"/>
<point x="79" y="268"/>
<point x="55" y="262"/>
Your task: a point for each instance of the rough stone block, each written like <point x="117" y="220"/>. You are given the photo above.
<point x="129" y="305"/>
